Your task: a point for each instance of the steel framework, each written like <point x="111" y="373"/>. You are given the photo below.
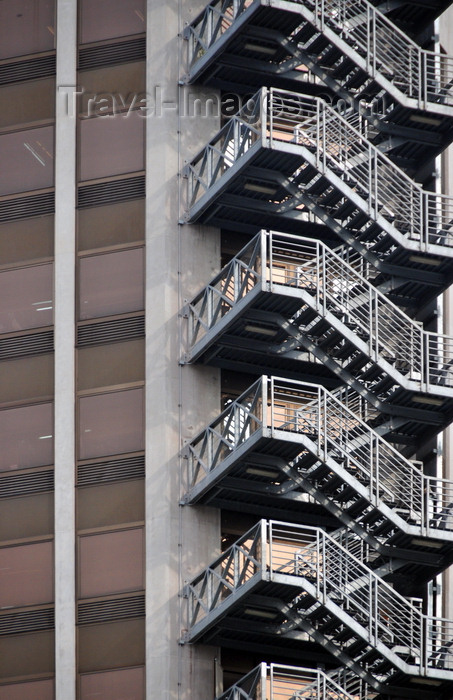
<point x="331" y="311"/>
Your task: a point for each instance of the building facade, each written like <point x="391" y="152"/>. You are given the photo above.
<point x="223" y="249"/>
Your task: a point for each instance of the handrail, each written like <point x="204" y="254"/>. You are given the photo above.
<point x="338" y="149"/>
<point x="274" y="260"/>
<point x="375" y="41"/>
<point x="282" y="408"/>
<point x="278" y="682"/>
<point x="286" y="553"/>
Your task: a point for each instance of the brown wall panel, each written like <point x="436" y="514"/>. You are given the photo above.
<point x="112" y="225"/>
<point x="26" y="298"/>
<point x="111" y="145"/>
<point x="107" y="365"/>
<point x="111" y="283"/>
<point x="30" y="159"/>
<point x="124" y="684"/>
<point x="30" y="432"/>
<point x="26" y="26"/>
<point x="26" y="574"/>
<point x="111" y="423"/>
<point x="125" y="82"/>
<point x="36" y="690"/>
<point x="29" y="516"/>
<point x="111" y="562"/>
<point x="27" y="240"/>
<point x="110" y="504"/>
<point x="102" y="19"/>
<point x="27" y="654"/>
<point x="113" y="645"/>
<point x="27" y="378"/>
<point x="25" y="103"/>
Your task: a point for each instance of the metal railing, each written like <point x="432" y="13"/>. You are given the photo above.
<point x="273" y="260"/>
<point x="229" y="145"/>
<point x="277" y="682"/>
<point x="333" y="144"/>
<point x="424" y="76"/>
<point x="283" y="408"/>
<point x="211" y="25"/>
<point x="285" y="553"/>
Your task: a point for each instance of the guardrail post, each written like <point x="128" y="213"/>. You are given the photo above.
<point x="376" y="468"/>
<point x="318" y="420"/>
<point x="266" y="382"/>
<point x="271" y="260"/>
<point x="264" y="236"/>
<point x="267" y="110"/>
<point x="264" y="679"/>
<point x="265" y="528"/>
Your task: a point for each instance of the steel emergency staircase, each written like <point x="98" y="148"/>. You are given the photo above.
<point x="326" y="165"/>
<point x="296" y="580"/>
<point x="352" y="41"/>
<point x="288" y="439"/>
<point x="326" y="304"/>
<point x="333" y="305"/>
<point x="278" y="682"/>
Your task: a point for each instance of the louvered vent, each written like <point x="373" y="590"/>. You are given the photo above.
<point x="111" y="54"/>
<point x="14" y="72"/>
<point x="24" y="484"/>
<point x="26" y="621"/>
<point x="111" y="192"/>
<point x="32" y="344"/>
<point x="26" y="207"/>
<point x="111" y="331"/>
<point x="112" y="470"/>
<point x="108" y="610"/>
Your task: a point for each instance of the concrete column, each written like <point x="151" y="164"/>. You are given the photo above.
<point x="65" y="151"/>
<point x="179" y="400"/>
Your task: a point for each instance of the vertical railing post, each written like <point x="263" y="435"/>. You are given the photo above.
<point x="318" y="420"/>
<point x="376" y="325"/>
<point x="424" y="72"/>
<point x="271" y="260"/>
<point x="424" y="642"/>
<point x="267" y="114"/>
<point x="265" y="529"/>
<point x="376" y="468"/>
<point x="264" y="681"/>
<point x="318" y="132"/>
<point x="262" y="267"/>
<point x="272" y="407"/>
<point x="424" y="220"/>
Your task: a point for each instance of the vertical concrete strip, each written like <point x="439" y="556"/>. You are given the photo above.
<point x="65" y="190"/>
<point x="179" y="260"/>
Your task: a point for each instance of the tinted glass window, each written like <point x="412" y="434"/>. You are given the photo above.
<point x="26" y="298"/>
<point x="111" y="563"/>
<point x="104" y="19"/>
<point x="111" y="424"/>
<point x="30" y="437"/>
<point x="29" y="155"/>
<point x="111" y="284"/>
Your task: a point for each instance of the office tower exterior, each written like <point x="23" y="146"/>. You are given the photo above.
<point x="224" y="373"/>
